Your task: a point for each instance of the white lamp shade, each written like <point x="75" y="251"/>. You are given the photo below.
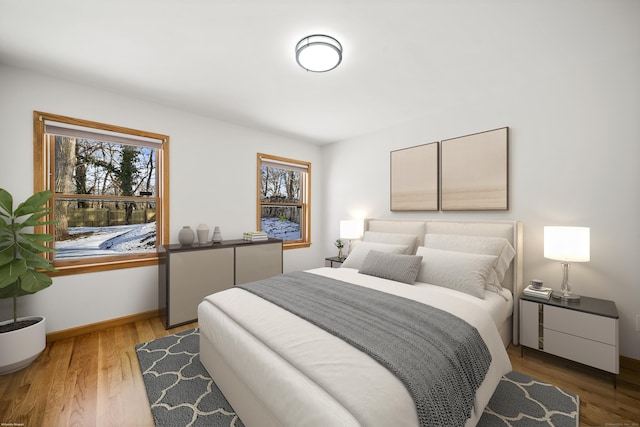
<point x="351" y="229"/>
<point x="567" y="243"/>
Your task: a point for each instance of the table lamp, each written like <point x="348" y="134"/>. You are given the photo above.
<point x="567" y="244"/>
<point x="351" y="229"/>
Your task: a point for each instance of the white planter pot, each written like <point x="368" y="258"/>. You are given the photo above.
<point x="21" y="347"/>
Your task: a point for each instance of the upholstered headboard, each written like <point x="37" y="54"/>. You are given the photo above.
<point x="510" y="230"/>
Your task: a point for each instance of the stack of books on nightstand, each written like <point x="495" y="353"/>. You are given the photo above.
<point x="254" y="236"/>
<point x="540" y="292"/>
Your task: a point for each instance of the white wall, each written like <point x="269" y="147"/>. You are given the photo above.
<point x="574" y="156"/>
<point x="213" y="181"/>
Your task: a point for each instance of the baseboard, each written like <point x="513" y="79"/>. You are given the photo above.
<point x="629" y="363"/>
<point x="629" y="370"/>
<point x="99" y="326"/>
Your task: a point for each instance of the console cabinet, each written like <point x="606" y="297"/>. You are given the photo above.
<point x="189" y="273"/>
<point x="256" y="261"/>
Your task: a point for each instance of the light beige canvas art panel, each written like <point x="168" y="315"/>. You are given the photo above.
<point x="414" y="178"/>
<point x="475" y="171"/>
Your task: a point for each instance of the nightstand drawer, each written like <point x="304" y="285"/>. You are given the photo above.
<point x="596" y="354"/>
<point x="579" y="324"/>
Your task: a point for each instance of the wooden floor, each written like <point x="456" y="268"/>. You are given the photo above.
<point x="95" y="380"/>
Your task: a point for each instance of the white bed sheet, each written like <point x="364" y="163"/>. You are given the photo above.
<point x="282" y="358"/>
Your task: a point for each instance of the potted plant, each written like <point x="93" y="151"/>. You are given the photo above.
<point x="21" y="261"/>
<point x="339" y="244"/>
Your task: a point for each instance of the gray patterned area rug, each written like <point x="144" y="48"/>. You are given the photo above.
<point x="182" y="393"/>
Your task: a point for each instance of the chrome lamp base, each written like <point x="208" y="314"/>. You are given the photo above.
<point x="565" y="293"/>
<point x="565" y="297"/>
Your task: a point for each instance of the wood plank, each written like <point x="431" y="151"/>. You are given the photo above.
<point x="107" y="369"/>
<point x="60" y="358"/>
<point x="84" y="367"/>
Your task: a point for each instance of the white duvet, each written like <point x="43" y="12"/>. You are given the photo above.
<point x="308" y="377"/>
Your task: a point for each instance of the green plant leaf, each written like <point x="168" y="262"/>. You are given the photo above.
<point x="6" y="202"/>
<point x="33" y="202"/>
<point x="48" y="267"/>
<point x="36" y="261"/>
<point x="6" y="254"/>
<point x="33" y="281"/>
<point x="33" y="247"/>
<point x="34" y="219"/>
<point x="8" y="291"/>
<point x="9" y="273"/>
<point x="37" y="237"/>
<point x="26" y="210"/>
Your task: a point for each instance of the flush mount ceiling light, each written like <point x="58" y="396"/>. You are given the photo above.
<point x="318" y="53"/>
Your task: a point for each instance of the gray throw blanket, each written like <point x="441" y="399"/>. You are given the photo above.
<point x="441" y="359"/>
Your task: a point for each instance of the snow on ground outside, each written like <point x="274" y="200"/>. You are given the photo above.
<point x="100" y="241"/>
<point x="285" y="230"/>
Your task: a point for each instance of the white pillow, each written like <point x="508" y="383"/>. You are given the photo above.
<point x="485" y="245"/>
<point x="408" y="240"/>
<point x="359" y="253"/>
<point x="461" y="271"/>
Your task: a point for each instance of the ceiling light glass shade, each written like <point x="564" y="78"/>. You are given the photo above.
<point x="318" y="53"/>
<point x="567" y="243"/>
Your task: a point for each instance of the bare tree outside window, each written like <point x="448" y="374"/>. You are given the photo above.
<point x="283" y="199"/>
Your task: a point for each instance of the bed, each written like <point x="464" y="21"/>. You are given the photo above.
<point x="276" y="368"/>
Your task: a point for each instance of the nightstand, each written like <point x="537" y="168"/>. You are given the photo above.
<point x="585" y="331"/>
<point x="333" y="262"/>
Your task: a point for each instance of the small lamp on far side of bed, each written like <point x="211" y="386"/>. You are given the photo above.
<point x="351" y="229"/>
<point x="567" y="244"/>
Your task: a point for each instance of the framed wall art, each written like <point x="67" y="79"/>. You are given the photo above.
<point x="475" y="171"/>
<point x="414" y="178"/>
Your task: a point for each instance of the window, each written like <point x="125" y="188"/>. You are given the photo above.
<point x="110" y="192"/>
<point x="284" y="194"/>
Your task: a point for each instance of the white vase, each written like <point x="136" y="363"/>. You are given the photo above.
<point x="186" y="236"/>
<point x="217" y="236"/>
<point x="203" y="234"/>
<point x="21" y="347"/>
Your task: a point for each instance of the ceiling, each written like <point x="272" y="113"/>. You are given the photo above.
<point x="234" y="60"/>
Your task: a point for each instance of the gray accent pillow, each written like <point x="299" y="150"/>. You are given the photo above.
<point x="398" y="267"/>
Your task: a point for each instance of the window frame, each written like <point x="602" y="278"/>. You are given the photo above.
<point x="305" y="229"/>
<point x="43" y="180"/>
